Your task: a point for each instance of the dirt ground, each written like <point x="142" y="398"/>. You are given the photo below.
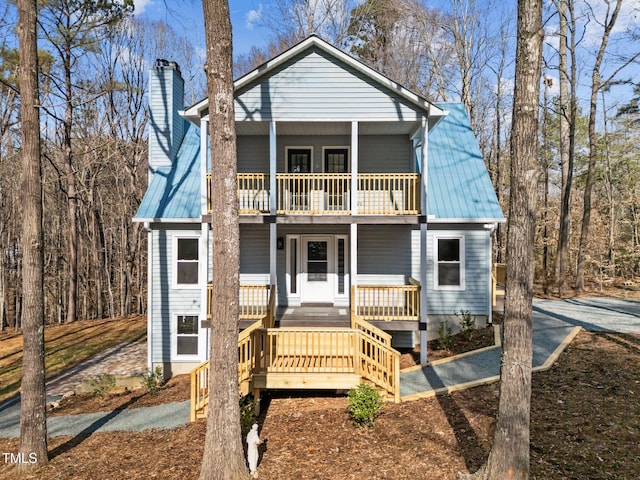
<point x="585" y="425"/>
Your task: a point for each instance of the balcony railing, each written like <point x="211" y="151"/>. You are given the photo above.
<point x="328" y="193"/>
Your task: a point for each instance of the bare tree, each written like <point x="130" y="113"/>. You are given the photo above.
<point x="597" y="83"/>
<point x="223" y="453"/>
<point x="33" y="423"/>
<point x="509" y="456"/>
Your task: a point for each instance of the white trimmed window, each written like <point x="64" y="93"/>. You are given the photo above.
<point x="186" y="335"/>
<point x="186" y="261"/>
<point x="449" y="257"/>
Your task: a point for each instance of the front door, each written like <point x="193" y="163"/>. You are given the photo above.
<point x="317" y="269"/>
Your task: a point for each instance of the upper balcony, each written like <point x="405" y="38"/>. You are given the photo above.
<point x="327" y="193"/>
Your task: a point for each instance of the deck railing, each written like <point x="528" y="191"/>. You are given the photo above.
<point x="328" y="193"/>
<point x="254" y="300"/>
<point x="246" y="357"/>
<point x="389" y="193"/>
<point x="253" y="193"/>
<point x="329" y="351"/>
<point x="306" y="350"/>
<point x="387" y="302"/>
<point x="313" y="193"/>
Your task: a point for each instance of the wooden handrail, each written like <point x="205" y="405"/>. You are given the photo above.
<point x="248" y="354"/>
<point x="199" y="389"/>
<point x="254" y="300"/>
<point x="387" y="302"/>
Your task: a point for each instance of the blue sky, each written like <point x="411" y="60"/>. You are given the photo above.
<point x="185" y="16"/>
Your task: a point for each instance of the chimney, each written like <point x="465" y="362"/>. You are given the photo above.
<point x="166" y="126"/>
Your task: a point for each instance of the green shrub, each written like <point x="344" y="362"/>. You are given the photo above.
<point x="467" y="323"/>
<point x="365" y="404"/>
<point x="247" y="413"/>
<point x="445" y="339"/>
<point x="152" y="380"/>
<point x="101" y="385"/>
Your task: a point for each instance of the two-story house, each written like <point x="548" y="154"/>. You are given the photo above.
<point x="357" y="197"/>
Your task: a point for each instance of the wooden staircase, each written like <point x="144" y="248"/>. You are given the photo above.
<point x="306" y="358"/>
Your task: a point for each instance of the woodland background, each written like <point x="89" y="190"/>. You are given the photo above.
<point x="94" y="58"/>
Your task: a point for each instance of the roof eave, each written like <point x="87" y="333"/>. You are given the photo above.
<point x="166" y="220"/>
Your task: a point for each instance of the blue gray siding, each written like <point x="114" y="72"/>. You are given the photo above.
<point x="383" y="153"/>
<point x="254" y="254"/>
<point x="477" y="280"/>
<point x="384" y="254"/>
<point x="314" y="85"/>
<point x="168" y="301"/>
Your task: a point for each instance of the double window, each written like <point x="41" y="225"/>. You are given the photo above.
<point x="186" y="265"/>
<point x="449" y="263"/>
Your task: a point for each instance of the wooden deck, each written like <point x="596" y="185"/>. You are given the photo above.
<point x="311" y="355"/>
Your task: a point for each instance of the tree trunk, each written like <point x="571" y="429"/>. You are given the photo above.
<point x="223" y="453"/>
<point x="33" y="426"/>
<point x="567" y="173"/>
<point x="509" y="457"/>
<point x="72" y="194"/>
<point x="596" y="85"/>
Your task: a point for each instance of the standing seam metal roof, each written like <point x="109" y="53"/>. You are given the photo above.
<point x="174" y="192"/>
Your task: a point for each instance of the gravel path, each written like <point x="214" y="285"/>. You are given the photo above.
<point x="553" y="322"/>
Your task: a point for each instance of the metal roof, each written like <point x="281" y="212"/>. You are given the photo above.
<point x="458" y="183"/>
<point x="174" y="192"/>
<point x="459" y="186"/>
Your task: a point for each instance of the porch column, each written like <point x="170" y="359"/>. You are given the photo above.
<point x="273" y="240"/>
<point x="272" y="167"/>
<point x="354" y="169"/>
<point x="353" y="260"/>
<point x="424" y="165"/>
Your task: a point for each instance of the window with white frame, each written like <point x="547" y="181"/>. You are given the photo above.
<point x="186" y="335"/>
<point x="186" y="261"/>
<point x="449" y="263"/>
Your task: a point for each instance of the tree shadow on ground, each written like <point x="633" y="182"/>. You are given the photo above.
<point x="90" y="430"/>
<point x="468" y="441"/>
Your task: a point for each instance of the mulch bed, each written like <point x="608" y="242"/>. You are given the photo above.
<point x="482" y="337"/>
<point x="585" y="424"/>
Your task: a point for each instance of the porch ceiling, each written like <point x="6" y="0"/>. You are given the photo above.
<point x="326" y="128"/>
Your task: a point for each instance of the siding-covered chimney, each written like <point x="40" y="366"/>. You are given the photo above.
<point x="166" y="126"/>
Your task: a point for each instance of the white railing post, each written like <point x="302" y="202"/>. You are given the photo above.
<point x="272" y="167"/>
<point x="354" y="168"/>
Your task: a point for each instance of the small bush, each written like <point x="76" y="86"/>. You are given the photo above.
<point x="467" y="323"/>
<point x="152" y="380"/>
<point x="445" y="338"/>
<point x="247" y="413"/>
<point x="101" y="385"/>
<point x="365" y="404"/>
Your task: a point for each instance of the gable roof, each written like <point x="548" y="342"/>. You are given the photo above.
<point x="194" y="112"/>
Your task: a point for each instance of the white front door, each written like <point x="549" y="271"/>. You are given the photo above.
<point x="317" y="275"/>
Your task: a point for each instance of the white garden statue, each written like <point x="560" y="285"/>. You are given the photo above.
<point x="253" y="440"/>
